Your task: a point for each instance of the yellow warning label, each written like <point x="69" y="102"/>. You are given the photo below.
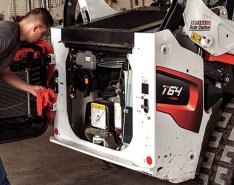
<point x="98" y="106"/>
<point x="197" y="38"/>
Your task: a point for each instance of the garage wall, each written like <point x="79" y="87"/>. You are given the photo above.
<point x="126" y="4"/>
<point x="21" y="7"/>
<point x="10" y="8"/>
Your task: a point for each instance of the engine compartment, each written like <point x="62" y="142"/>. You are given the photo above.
<point x="101" y="81"/>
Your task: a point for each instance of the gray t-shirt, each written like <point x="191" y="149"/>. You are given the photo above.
<point x="9" y="43"/>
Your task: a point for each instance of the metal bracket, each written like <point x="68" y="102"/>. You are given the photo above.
<point x="53" y="59"/>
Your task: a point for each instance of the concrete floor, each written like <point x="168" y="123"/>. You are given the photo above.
<point x="40" y="162"/>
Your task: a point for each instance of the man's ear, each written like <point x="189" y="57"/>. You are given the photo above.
<point x="36" y="27"/>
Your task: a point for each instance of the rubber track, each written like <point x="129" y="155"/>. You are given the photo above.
<point x="218" y="165"/>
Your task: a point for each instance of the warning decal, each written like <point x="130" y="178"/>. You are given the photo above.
<point x="196" y="38"/>
<point x="98" y="106"/>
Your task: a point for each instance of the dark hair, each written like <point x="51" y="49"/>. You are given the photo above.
<point x="42" y="14"/>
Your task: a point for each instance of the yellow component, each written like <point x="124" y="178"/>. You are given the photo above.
<point x="98" y="106"/>
<point x="196" y="37"/>
<point x="86" y="81"/>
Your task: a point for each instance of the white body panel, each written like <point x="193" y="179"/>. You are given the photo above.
<point x="95" y="8"/>
<point x="206" y="25"/>
<point x="173" y="144"/>
<point x="159" y="147"/>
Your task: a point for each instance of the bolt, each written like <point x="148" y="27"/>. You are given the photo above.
<point x="191" y="157"/>
<point x="227" y="80"/>
<point x="164" y="49"/>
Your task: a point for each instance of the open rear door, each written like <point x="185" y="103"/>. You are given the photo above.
<point x="18" y="113"/>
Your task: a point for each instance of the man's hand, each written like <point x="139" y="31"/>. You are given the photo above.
<point x="34" y="89"/>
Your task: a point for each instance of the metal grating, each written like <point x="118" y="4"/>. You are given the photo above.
<point x="13" y="102"/>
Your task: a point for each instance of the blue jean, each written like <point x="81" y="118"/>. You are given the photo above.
<point x="3" y="176"/>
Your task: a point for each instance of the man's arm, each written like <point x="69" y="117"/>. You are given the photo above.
<point x="12" y="79"/>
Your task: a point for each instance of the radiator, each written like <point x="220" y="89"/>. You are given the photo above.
<point x="14" y="102"/>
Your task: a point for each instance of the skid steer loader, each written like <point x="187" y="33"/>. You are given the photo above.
<point x="149" y="89"/>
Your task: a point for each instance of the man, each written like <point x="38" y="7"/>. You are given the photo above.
<point x="31" y="28"/>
